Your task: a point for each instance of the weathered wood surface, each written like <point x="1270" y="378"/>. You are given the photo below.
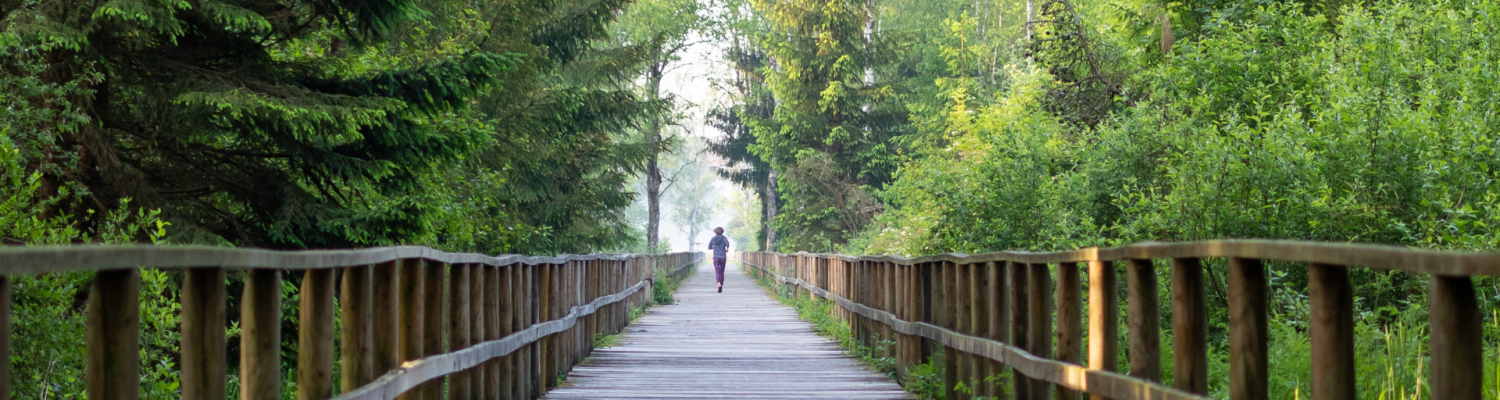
<point x="731" y="345"/>
<point x="46" y="259"/>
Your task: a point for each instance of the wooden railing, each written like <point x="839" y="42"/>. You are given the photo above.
<point x="993" y="311"/>
<point x="495" y="327"/>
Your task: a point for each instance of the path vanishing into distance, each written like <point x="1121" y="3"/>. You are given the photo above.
<point x="740" y="344"/>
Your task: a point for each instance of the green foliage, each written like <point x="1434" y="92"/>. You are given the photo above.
<point x="829" y="138"/>
<point x="665" y="284"/>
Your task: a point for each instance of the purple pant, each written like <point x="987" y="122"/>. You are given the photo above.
<point x="719" y="269"/>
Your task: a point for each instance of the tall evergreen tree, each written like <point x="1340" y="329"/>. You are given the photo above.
<point x="249" y="122"/>
<point x="829" y="138"/>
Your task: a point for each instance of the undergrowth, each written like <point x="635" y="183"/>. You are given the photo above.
<point x="666" y="284"/>
<point x="923" y="380"/>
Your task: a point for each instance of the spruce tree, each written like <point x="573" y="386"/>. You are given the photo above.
<point x="249" y="123"/>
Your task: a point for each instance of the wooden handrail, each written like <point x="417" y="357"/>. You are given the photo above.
<point x="495" y="326"/>
<point x="997" y="311"/>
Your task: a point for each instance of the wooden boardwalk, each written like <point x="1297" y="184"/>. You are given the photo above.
<point x="740" y="344"/>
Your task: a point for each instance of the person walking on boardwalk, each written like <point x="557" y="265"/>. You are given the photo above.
<point x="720" y="245"/>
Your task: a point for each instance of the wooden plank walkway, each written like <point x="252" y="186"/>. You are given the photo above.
<point x="740" y="344"/>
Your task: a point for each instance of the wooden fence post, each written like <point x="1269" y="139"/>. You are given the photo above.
<point x="315" y="335"/>
<point x="1104" y="318"/>
<point x="434" y="293"/>
<point x="356" y="352"/>
<point x="1020" y="314"/>
<point x="979" y="317"/>
<point x="1000" y="319"/>
<point x="1039" y="289"/>
<point x="260" y="335"/>
<point x="113" y="328"/>
<point x="385" y="318"/>
<point x="203" y="342"/>
<point x="460" y="318"/>
<point x="1248" y="367"/>
<point x="1190" y="327"/>
<point x="1332" y="332"/>
<point x="1144" y="320"/>
<point x="1069" y="320"/>
<point x="1457" y="338"/>
<point x="412" y="286"/>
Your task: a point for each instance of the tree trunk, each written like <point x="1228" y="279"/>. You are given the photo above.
<point x="653" y="170"/>
<point x="770" y="205"/>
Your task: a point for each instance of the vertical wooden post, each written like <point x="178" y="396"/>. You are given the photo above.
<point x="532" y="314"/>
<point x="1248" y="367"/>
<point x="434" y="294"/>
<point x="545" y="346"/>
<point x="113" y="328"/>
<point x="979" y="314"/>
<point x="1144" y="320"/>
<point x="1000" y="299"/>
<point x="413" y="284"/>
<point x="910" y="346"/>
<point x="1457" y="338"/>
<point x="944" y="314"/>
<point x="460" y="318"/>
<point x="203" y="342"/>
<point x="499" y="316"/>
<point x="1069" y="320"/>
<point x="260" y="336"/>
<point x="315" y="335"/>
<point x="1332" y="332"/>
<point x="962" y="308"/>
<point x="1104" y="318"/>
<point x="1190" y="327"/>
<point x="1020" y="326"/>
<point x="1039" y="291"/>
<point x="356" y="350"/>
<point x="385" y="318"/>
<point x="484" y="313"/>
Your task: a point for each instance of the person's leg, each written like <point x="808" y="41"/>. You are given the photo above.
<point x="719" y="272"/>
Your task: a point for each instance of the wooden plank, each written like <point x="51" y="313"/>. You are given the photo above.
<point x="484" y="310"/>
<point x="50" y="259"/>
<point x="1069" y="320"/>
<point x="962" y="308"/>
<point x="1190" y="327"/>
<point x="1457" y="338"/>
<point x="45" y="259"/>
<point x="945" y="314"/>
<point x="385" y="317"/>
<point x="1104" y="318"/>
<point x="1039" y="304"/>
<point x="112" y="369"/>
<point x="980" y="314"/>
<point x="260" y="335"/>
<point x="1332" y="332"/>
<point x="1020" y="325"/>
<point x="315" y="335"/>
<point x="412" y="286"/>
<point x="434" y="310"/>
<point x="357" y="350"/>
<point x="1248" y="337"/>
<point x="683" y="351"/>
<point x="1000" y="298"/>
<point x="1143" y="319"/>
<point x="460" y="330"/>
<point x="204" y="318"/>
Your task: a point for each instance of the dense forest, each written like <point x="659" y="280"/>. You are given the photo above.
<point x="916" y="127"/>
<point x="868" y="127"/>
